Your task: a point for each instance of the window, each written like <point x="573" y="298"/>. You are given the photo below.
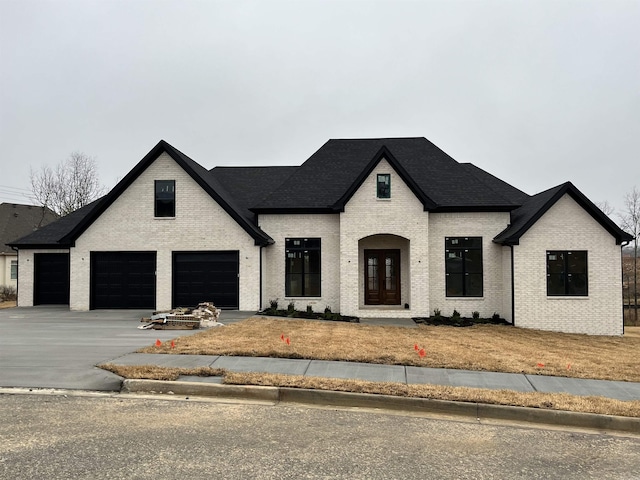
<point x="302" y="267"/>
<point x="566" y="273"/>
<point x="165" y="198"/>
<point x="463" y="265"/>
<point x="384" y="185"/>
<point x="14" y="269"/>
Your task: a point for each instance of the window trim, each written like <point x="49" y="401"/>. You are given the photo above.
<point x="380" y="193"/>
<point x="156" y="200"/>
<point x="304" y="248"/>
<point x="464" y="249"/>
<point x="13" y="270"/>
<point x="566" y="274"/>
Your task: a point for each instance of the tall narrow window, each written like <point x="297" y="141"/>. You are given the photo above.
<point x="302" y="276"/>
<point x="14" y="269"/>
<point x="567" y="273"/>
<point x="463" y="265"/>
<point x="384" y="185"/>
<point x="165" y="198"/>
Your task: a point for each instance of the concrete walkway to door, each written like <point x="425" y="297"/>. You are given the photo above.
<point x="52" y="347"/>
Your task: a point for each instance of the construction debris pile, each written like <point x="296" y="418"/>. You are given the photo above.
<point x="205" y="315"/>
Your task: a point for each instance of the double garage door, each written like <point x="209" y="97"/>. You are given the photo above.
<point x="128" y="279"/>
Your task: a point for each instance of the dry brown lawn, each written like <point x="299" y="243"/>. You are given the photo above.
<point x="481" y="347"/>
<point x="554" y="401"/>
<point x="8" y="304"/>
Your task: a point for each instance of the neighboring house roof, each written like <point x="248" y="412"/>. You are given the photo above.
<point x="326" y="181"/>
<point x="523" y="218"/>
<point x="17" y="220"/>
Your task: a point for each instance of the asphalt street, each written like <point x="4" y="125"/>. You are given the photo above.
<point x="113" y="437"/>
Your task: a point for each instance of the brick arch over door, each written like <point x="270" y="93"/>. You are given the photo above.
<point x="384" y="270"/>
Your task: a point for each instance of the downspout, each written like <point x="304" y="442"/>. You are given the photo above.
<point x="622" y="245"/>
<point x="513" y="290"/>
<point x="260" y="306"/>
<point x="17" y="272"/>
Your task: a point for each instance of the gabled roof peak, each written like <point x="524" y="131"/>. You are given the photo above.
<point x="523" y="218"/>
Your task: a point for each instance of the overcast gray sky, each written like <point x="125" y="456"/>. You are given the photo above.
<point x="535" y="92"/>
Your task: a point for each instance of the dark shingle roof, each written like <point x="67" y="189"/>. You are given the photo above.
<point x="326" y="182"/>
<point x="250" y="185"/>
<point x="17" y="220"/>
<point x="328" y="178"/>
<point x="52" y="235"/>
<point x="523" y="218"/>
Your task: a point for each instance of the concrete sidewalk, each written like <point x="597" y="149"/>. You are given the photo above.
<point x="388" y="373"/>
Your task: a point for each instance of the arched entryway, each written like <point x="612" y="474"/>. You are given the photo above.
<point x="384" y="270"/>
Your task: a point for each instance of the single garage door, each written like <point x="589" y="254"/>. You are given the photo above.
<point x="51" y="274"/>
<point x="206" y="277"/>
<point x="123" y="280"/>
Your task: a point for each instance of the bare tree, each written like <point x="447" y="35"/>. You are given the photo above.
<point x="630" y="222"/>
<point x="606" y="207"/>
<point x="72" y="184"/>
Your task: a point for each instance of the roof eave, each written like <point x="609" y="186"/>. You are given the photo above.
<point x="473" y="208"/>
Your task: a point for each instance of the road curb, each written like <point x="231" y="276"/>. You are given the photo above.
<point x="248" y="392"/>
<point x="479" y="411"/>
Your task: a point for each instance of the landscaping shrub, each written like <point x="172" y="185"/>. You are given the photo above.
<point x="7" y="293"/>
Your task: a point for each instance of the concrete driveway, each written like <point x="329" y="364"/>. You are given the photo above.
<point x="51" y="347"/>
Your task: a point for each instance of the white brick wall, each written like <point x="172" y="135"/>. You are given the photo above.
<point x="402" y="216"/>
<point x="468" y="224"/>
<point x="280" y="227"/>
<point x="26" y="272"/>
<point x="129" y="225"/>
<point x="566" y="226"/>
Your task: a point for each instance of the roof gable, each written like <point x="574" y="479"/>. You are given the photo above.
<point x="523" y="218"/>
<point x="383" y="153"/>
<point x="326" y="181"/>
<point x="198" y="173"/>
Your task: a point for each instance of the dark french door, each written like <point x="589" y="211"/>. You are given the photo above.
<point x="382" y="277"/>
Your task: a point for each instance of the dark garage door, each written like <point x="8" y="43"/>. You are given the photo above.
<point x="51" y="286"/>
<point x="205" y="277"/>
<point x="123" y="280"/>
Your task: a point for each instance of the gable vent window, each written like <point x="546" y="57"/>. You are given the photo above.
<point x="567" y="273"/>
<point x="384" y="185"/>
<point x="165" y="198"/>
<point x="463" y="266"/>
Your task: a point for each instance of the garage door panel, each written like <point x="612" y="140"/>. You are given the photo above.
<point x="51" y="279"/>
<point x="123" y="280"/>
<point x="206" y="277"/>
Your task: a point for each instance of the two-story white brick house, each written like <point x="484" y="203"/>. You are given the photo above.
<point x="369" y="227"/>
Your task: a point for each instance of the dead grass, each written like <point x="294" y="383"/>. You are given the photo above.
<point x="8" y="304"/>
<point x="155" y="372"/>
<point x="482" y="347"/>
<point x="632" y="332"/>
<point x="553" y="401"/>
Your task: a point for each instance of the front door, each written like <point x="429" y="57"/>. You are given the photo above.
<point x="382" y="277"/>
